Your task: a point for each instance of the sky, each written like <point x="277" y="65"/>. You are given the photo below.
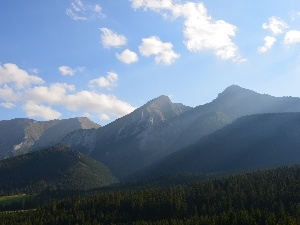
<point x="103" y="59"/>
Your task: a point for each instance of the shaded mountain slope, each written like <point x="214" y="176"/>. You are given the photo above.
<point x="251" y="142"/>
<point x="161" y="127"/>
<point x="231" y="104"/>
<point x="19" y="136"/>
<point x="130" y="143"/>
<point x="56" y="167"/>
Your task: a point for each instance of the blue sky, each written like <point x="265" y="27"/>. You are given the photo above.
<point x="102" y="59"/>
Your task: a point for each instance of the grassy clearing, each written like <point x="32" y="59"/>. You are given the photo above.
<point x="4" y="200"/>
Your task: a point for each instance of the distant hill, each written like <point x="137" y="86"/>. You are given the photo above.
<point x="161" y="127"/>
<point x="19" y="136"/>
<point x="56" y="167"/>
<point x="251" y="142"/>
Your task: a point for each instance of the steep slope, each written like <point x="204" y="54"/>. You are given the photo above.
<point x="161" y="127"/>
<point x="56" y="167"/>
<point x="130" y="142"/>
<point x="231" y="104"/>
<point x="250" y="142"/>
<point x="19" y="136"/>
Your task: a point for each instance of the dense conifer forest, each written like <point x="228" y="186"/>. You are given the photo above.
<point x="264" y="197"/>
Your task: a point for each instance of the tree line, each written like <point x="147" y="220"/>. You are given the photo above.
<point x="266" y="197"/>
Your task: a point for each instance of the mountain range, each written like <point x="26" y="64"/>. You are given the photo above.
<point x="19" y="136"/>
<point x="161" y="130"/>
<point x="249" y="143"/>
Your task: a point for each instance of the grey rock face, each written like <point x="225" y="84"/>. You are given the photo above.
<point x="161" y="127"/>
<point x="19" y="136"/>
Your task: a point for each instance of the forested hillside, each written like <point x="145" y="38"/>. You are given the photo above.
<point x="263" y="197"/>
<point x="52" y="168"/>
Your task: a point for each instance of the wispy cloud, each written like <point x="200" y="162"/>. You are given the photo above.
<point x="110" y="38"/>
<point x="108" y="82"/>
<point x="79" y="10"/>
<point x="7" y="105"/>
<point x="200" y="30"/>
<point x="68" y="71"/>
<point x="163" y="51"/>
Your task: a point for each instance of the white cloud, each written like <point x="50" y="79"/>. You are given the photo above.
<point x="201" y="31"/>
<point x="41" y="100"/>
<point x="36" y="110"/>
<point x="292" y="37"/>
<point x="80" y="69"/>
<point x="111" y="39"/>
<point x="295" y="15"/>
<point x="12" y="74"/>
<point x="66" y="70"/>
<point x="8" y="94"/>
<point x="269" y="42"/>
<point x="97" y="103"/>
<point x="7" y="105"/>
<point x="127" y="56"/>
<point x="275" y="25"/>
<point x="108" y="82"/>
<point x="34" y="70"/>
<point x="86" y="101"/>
<point x="79" y="10"/>
<point x="104" y="116"/>
<point x="54" y="94"/>
<point x="163" y="51"/>
<point x="155" y="5"/>
<point x="64" y="95"/>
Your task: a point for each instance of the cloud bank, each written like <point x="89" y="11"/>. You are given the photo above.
<point x="18" y="88"/>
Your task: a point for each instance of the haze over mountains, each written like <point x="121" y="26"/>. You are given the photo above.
<point x="160" y="128"/>
<point x="19" y="136"/>
<point x="252" y="142"/>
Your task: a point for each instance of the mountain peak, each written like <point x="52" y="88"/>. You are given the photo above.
<point x="234" y="87"/>
<point x="161" y="100"/>
<point x="234" y="90"/>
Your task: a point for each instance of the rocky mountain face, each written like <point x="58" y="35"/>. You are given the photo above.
<point x="161" y="127"/>
<point x="145" y="136"/>
<point x="231" y="104"/>
<point x="249" y="143"/>
<point x="130" y="142"/>
<point x="19" y="136"/>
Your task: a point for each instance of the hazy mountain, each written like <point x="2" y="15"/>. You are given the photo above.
<point x="251" y="142"/>
<point x="20" y="136"/>
<point x="130" y="142"/>
<point x="56" y="167"/>
<point x="161" y="127"/>
<point x="231" y="104"/>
